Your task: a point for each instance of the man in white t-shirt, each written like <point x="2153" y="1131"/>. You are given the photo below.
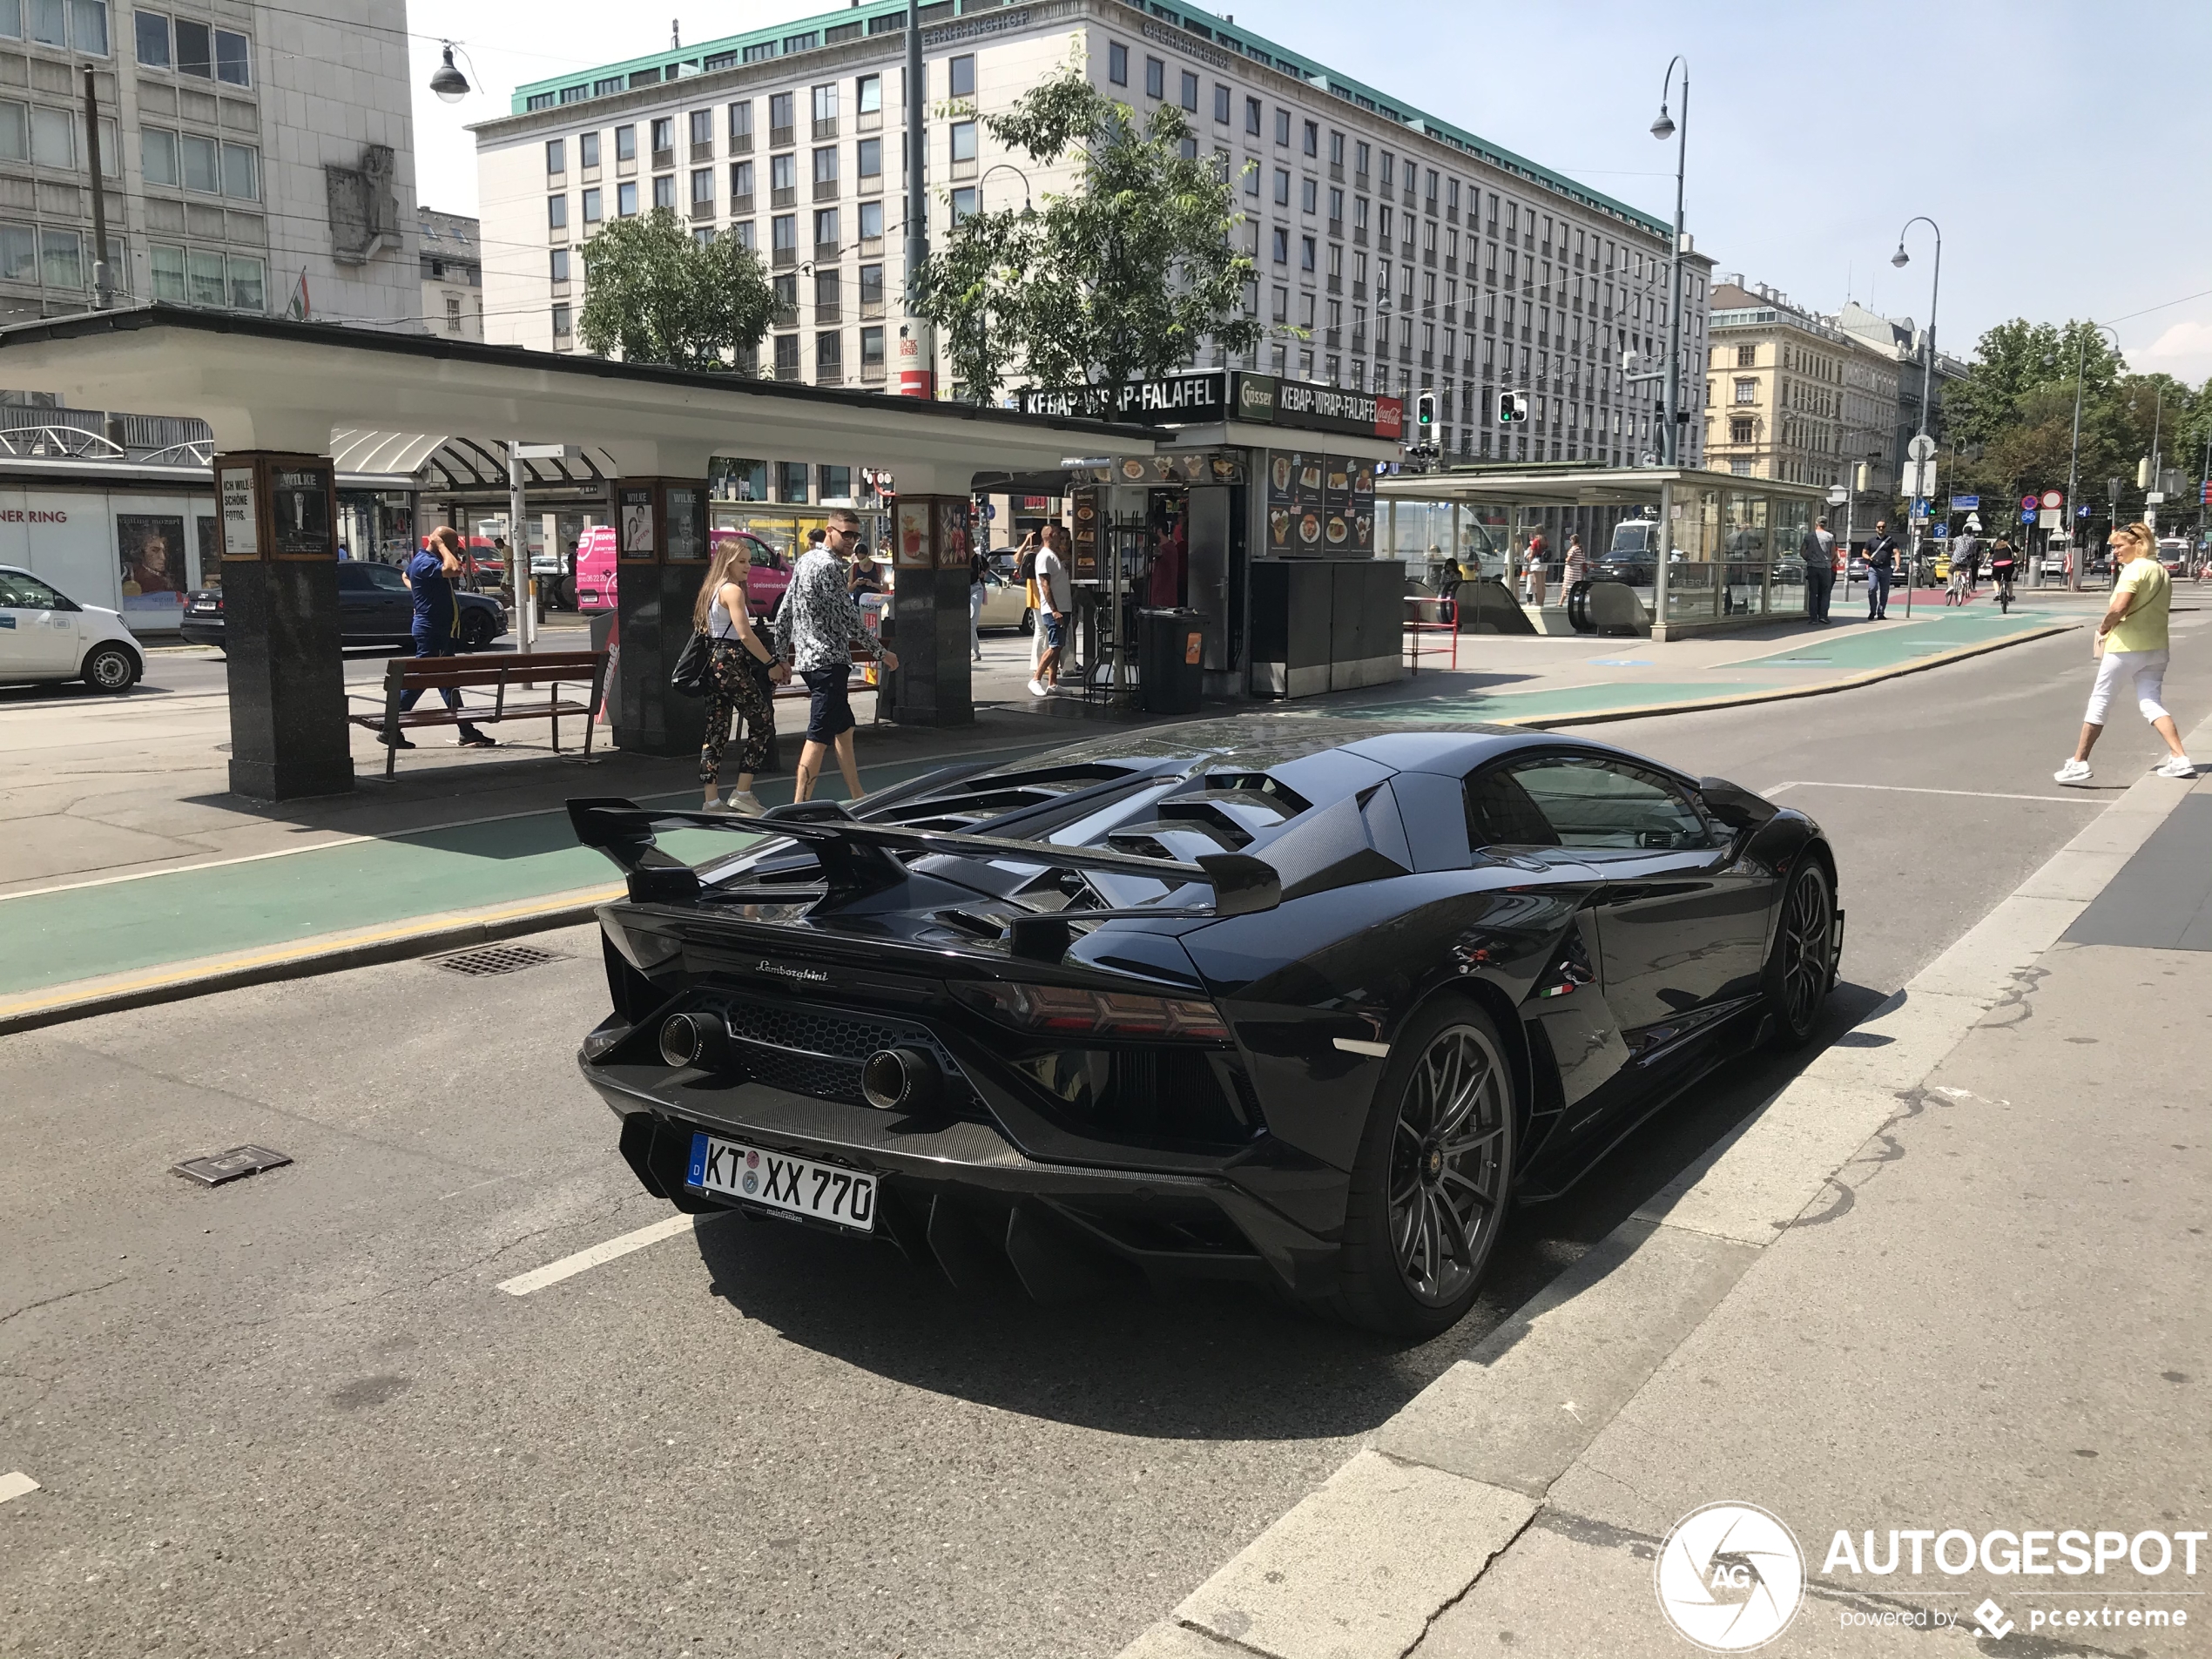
<point x="1055" y="598"/>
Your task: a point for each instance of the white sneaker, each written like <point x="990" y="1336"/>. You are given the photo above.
<point x="1037" y="688"/>
<point x="743" y="801"/>
<point x="2176" y="766"/>
<point x="2075" y="771"/>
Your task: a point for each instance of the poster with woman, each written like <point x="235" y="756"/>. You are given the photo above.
<point x="151" y="549"/>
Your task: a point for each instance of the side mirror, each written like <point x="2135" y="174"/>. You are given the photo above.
<point x="1736" y="807"/>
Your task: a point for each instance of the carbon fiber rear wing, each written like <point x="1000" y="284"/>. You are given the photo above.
<point x="858" y="857"/>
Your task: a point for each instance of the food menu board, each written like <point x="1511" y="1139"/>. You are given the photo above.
<point x="1083" y="536"/>
<point x="1320" y="504"/>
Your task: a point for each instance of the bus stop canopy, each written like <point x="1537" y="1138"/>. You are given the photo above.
<point x="1575" y="484"/>
<point x="266" y="383"/>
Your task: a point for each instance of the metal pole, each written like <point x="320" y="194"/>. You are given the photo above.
<point x="103" y="279"/>
<point x="518" y="559"/>
<point x="917" y="201"/>
<point x="1672" y="448"/>
<point x="2074" y="473"/>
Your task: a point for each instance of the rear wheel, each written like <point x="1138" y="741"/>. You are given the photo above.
<point x="1433" y="1178"/>
<point x="111" y="668"/>
<point x="1800" y="964"/>
<point x="475" y="632"/>
<point x="1029" y="621"/>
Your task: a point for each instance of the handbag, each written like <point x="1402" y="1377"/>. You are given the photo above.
<point x="688" y="678"/>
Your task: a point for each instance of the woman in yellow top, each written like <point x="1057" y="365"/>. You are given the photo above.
<point x="2132" y="637"/>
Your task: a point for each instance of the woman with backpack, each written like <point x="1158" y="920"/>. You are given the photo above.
<point x="740" y="668"/>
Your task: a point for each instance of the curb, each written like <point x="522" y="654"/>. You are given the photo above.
<point x="331" y="953"/>
<point x="1788" y="693"/>
<point x="1340" y="1577"/>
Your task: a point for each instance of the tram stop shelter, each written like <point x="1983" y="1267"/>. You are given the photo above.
<point x="275" y="392"/>
<point x="1715" y="552"/>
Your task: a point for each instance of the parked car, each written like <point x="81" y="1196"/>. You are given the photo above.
<point x="1310" y="1007"/>
<point x="374" y="608"/>
<point x="2174" y="554"/>
<point x="46" y="635"/>
<point x="766" y="576"/>
<point x="1005" y="603"/>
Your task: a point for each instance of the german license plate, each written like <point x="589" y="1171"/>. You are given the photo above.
<point x="820" y="1191"/>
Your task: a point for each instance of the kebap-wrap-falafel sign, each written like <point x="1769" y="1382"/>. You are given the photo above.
<point x="1320" y="504"/>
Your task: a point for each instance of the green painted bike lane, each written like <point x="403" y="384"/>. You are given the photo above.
<point x="80" y="932"/>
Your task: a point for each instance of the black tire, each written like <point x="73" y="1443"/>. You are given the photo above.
<point x="112" y="669"/>
<point x="1029" y="621"/>
<point x="475" y="632"/>
<point x="1424" y="1208"/>
<point x="1800" y="968"/>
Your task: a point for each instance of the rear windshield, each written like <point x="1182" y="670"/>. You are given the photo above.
<point x="1635" y="536"/>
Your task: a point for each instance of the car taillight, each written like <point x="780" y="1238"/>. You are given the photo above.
<point x="1064" y="1010"/>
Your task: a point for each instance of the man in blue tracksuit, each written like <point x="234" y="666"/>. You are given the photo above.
<point x="1881" y="560"/>
<point x="437" y="619"/>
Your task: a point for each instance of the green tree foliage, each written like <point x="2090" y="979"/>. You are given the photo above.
<point x="2009" y="425"/>
<point x="1118" y="279"/>
<point x="652" y="295"/>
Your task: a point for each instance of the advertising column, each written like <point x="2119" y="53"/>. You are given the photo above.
<point x="277" y="514"/>
<point x="660" y="549"/>
<point x="930" y="536"/>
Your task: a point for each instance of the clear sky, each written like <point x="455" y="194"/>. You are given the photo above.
<point x="2066" y="149"/>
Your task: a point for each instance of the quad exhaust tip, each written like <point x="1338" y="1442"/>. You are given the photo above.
<point x="903" y="1080"/>
<point x="699" y="1039"/>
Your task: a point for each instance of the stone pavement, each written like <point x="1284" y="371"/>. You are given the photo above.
<point x="1948" y="1282"/>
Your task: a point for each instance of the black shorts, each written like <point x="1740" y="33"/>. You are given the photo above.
<point x="829" y="705"/>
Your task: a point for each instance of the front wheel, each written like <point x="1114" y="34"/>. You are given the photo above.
<point x="1802" y="964"/>
<point x="1433" y="1177"/>
<point x="1029" y="622"/>
<point x="475" y="632"/>
<point x="111" y="669"/>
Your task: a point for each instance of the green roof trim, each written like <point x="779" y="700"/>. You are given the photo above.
<point x="760" y="45"/>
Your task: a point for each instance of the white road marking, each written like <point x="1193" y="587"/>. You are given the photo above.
<point x="585" y="1260"/>
<point x="16" y="1484"/>
<point x="1907" y="789"/>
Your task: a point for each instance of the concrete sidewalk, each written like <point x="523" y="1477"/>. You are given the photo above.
<point x="1949" y="1282"/>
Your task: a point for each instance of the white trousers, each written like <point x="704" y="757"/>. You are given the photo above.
<point x="2147" y="669"/>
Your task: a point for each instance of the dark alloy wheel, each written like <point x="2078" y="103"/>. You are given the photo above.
<point x="1434" y="1176"/>
<point x="1801" y="963"/>
<point x="475" y="632"/>
<point x="111" y="669"/>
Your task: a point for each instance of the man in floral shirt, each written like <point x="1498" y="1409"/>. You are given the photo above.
<point x="817" y="627"/>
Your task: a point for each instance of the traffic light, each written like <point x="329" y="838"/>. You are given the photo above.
<point x="1424" y="416"/>
<point x="2142" y="473"/>
<point x="1513" y="407"/>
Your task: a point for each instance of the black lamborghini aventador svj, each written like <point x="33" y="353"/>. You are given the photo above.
<point x="1295" y="999"/>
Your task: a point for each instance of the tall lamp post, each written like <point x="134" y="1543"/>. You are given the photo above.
<point x="2074" y="559"/>
<point x="1900" y="259"/>
<point x="1662" y="129"/>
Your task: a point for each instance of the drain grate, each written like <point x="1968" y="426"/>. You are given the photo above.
<point x="488" y="960"/>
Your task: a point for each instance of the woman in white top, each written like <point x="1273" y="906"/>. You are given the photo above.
<point x="741" y="665"/>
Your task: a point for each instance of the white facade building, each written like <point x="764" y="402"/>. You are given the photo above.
<point x="1398" y="252"/>
<point x="254" y="157"/>
<point x="453" y="275"/>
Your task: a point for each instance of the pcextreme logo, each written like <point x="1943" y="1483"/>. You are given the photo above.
<point x="1730" y="1577"/>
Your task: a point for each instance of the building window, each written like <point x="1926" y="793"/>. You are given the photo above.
<point x="1739" y="432"/>
<point x="1117" y="63"/>
<point x="829" y="355"/>
<point x="703" y="187"/>
<point x="560" y="331"/>
<point x="1305" y="253"/>
<point x="626" y="143"/>
<point x="871" y="291"/>
<point x="453" y="313"/>
<point x="1747" y="391"/>
<point x="626" y="200"/>
<point x="1221" y="104"/>
<point x="1308" y="193"/>
<point x="826" y="110"/>
<point x="664" y="191"/>
<point x="242" y="171"/>
<point x="966" y="201"/>
<point x="1282" y="188"/>
<point x="963" y="146"/>
<point x="1314" y="139"/>
<point x="1189" y="99"/>
<point x="870" y="152"/>
<point x="664" y="140"/>
<point x="1742" y="468"/>
<point x="559" y="264"/>
<point x="556" y="155"/>
<point x="587" y="149"/>
<point x="868" y="94"/>
<point x="556" y="213"/>
<point x="152" y="31"/>
<point x="1747" y="356"/>
<point x="780" y="105"/>
<point x="741" y="186"/>
<point x="870" y="222"/>
<point x="1282" y="127"/>
<point x="961" y="76"/>
<point x="872" y="352"/>
<point x="1155" y="79"/>
<point x="825" y="171"/>
<point x="702" y="133"/>
<point x="1282" y="247"/>
<point x="826" y="230"/>
<point x="741" y="124"/>
<point x="1252" y="116"/>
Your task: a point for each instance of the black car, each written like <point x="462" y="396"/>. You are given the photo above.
<point x="374" y="608"/>
<point x="1302" y="999"/>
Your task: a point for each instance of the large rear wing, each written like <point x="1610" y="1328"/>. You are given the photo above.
<point x="858" y="857"/>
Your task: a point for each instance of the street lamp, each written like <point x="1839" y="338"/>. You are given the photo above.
<point x="1662" y="129"/>
<point x="448" y="83"/>
<point x="2074" y="463"/>
<point x="1027" y="205"/>
<point x="1900" y="259"/>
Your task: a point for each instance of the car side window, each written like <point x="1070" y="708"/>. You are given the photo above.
<point x="351" y="575"/>
<point x="386" y="576"/>
<point x="21" y="591"/>
<point x="1500" y="813"/>
<point x="760" y="555"/>
<point x="1587" y="801"/>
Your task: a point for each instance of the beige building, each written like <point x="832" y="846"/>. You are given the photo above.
<point x="1791" y="395"/>
<point x="1396" y="251"/>
<point x="453" y="275"/>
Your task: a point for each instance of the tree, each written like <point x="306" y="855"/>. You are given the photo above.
<point x="653" y="294"/>
<point x="1118" y="279"/>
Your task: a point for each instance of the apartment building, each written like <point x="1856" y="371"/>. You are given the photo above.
<point x="453" y="274"/>
<point x="1396" y="251"/>
<point x="252" y="157"/>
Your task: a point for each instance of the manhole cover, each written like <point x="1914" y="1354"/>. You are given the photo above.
<point x="219" y="1167"/>
<point x="495" y="959"/>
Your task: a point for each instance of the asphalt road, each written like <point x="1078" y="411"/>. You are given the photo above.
<point x="292" y="1415"/>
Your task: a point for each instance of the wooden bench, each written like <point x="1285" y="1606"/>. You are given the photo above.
<point x="433" y="676"/>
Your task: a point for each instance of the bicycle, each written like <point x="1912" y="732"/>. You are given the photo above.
<point x="2002" y="578"/>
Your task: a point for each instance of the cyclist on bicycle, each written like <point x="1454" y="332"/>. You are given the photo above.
<point x="2002" y="562"/>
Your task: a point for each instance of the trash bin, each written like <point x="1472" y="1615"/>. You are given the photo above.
<point x="1171" y="660"/>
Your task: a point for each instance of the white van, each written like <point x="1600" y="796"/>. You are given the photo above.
<point x="46" y="635"/>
